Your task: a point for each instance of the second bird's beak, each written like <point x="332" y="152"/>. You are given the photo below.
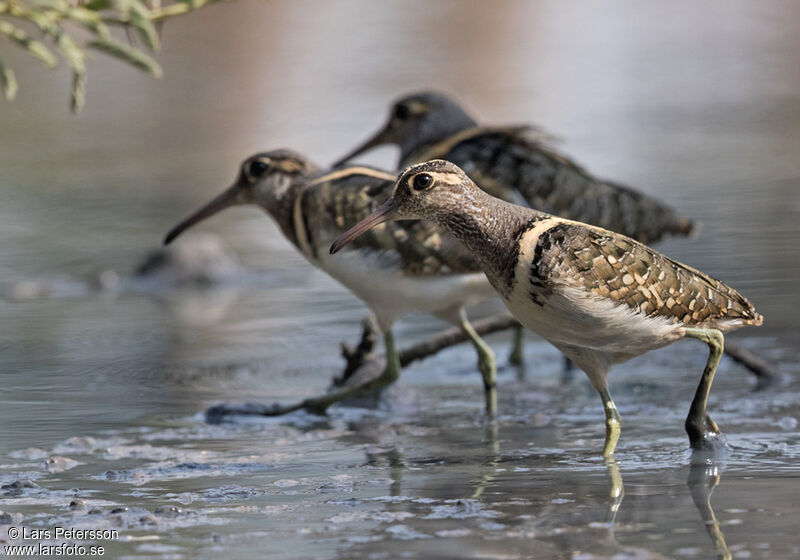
<point x="384" y="136"/>
<point x="226" y="199"/>
<point x="383" y="213"/>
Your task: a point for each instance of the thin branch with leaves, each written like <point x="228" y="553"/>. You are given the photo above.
<point x="65" y="30"/>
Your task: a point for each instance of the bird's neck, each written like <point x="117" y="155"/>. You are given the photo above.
<point x="490" y="229"/>
<point x="283" y="208"/>
<point x="415" y="149"/>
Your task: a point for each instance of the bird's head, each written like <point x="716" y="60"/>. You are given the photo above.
<point x="416" y="120"/>
<point x="430" y="191"/>
<point x="264" y="180"/>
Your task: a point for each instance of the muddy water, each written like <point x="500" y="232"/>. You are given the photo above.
<point x="101" y="394"/>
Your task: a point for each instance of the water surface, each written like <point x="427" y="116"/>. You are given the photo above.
<point x="697" y="105"/>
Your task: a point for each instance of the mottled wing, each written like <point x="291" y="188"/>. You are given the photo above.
<point x="419" y="248"/>
<point x="516" y="165"/>
<point x="623" y="270"/>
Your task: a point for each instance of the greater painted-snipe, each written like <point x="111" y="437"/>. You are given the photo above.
<point x="400" y="268"/>
<point x="598" y="296"/>
<point x="516" y="164"/>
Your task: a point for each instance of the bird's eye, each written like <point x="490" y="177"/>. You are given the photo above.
<point x="422" y="182"/>
<point x="402" y="111"/>
<point x="257" y="169"/>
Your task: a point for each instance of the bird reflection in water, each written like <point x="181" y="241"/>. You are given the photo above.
<point x="705" y="473"/>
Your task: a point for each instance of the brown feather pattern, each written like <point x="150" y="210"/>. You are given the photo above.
<point x="626" y="271"/>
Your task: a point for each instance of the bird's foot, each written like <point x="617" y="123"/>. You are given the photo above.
<point x="704" y="434"/>
<point x="318" y="405"/>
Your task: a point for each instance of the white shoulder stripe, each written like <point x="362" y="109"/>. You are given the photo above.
<point x="350" y="171"/>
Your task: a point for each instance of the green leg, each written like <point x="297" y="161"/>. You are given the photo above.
<point x="390" y="374"/>
<point x="486" y="363"/>
<point x="517" y="356"/>
<point x="703" y="431"/>
<point x="613" y="423"/>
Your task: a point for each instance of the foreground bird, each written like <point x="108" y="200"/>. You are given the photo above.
<point x="515" y="164"/>
<point x="598" y="296"/>
<point x="400" y="268"/>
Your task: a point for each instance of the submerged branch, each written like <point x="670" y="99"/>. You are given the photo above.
<point x="360" y="359"/>
<point x="453" y="336"/>
<point x="766" y="374"/>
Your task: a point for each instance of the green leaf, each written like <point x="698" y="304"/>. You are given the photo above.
<point x="147" y="31"/>
<point x="97" y="5"/>
<point x="123" y="7"/>
<point x="24" y="40"/>
<point x="90" y="20"/>
<point x="74" y="55"/>
<point x="194" y="4"/>
<point x="136" y="14"/>
<point x="78" y="93"/>
<point x="139" y="8"/>
<point x="43" y="19"/>
<point x="48" y="5"/>
<point x="8" y="81"/>
<point x="132" y="56"/>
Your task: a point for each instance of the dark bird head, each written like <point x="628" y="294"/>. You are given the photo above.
<point x="417" y="120"/>
<point x="434" y="190"/>
<point x="265" y="179"/>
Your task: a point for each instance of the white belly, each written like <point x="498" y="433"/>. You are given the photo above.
<point x="389" y="293"/>
<point x="573" y="318"/>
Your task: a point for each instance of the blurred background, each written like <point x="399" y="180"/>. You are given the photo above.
<point x="696" y="104"/>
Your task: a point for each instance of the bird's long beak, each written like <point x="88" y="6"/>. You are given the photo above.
<point x="386" y="135"/>
<point x="383" y="213"/>
<point x="226" y="199"/>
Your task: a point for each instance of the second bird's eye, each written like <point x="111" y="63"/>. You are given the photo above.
<point x="258" y="168"/>
<point x="422" y="181"/>
<point x="402" y="111"/>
